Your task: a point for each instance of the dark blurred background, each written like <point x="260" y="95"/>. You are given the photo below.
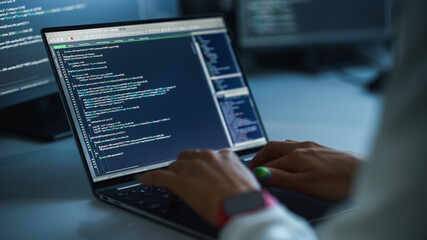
<point x="304" y="34"/>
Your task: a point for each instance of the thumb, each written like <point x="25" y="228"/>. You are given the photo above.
<point x="276" y="177"/>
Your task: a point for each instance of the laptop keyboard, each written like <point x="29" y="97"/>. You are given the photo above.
<point x="141" y="195"/>
<point x="156" y="200"/>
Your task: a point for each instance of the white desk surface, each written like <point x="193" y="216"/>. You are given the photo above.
<point x="45" y="192"/>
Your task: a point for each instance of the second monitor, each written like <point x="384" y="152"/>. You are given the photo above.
<point x="290" y="24"/>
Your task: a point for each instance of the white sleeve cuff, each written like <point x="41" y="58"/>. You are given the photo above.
<point x="270" y="223"/>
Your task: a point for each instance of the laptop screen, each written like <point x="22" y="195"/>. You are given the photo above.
<point x="139" y="94"/>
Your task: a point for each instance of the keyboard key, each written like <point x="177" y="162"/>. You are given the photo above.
<point x="165" y="196"/>
<point x="164" y="211"/>
<point x="154" y="206"/>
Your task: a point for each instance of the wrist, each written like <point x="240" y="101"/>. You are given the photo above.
<point x="245" y="203"/>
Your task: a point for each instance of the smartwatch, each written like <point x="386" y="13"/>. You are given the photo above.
<point x="244" y="203"/>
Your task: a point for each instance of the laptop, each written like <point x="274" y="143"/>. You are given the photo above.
<point x="138" y="93"/>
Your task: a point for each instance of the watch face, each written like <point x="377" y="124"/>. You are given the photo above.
<point x="244" y="203"/>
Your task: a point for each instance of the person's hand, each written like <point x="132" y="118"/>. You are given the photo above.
<point x="308" y="168"/>
<point x="204" y="179"/>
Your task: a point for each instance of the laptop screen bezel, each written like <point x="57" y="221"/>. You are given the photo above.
<point x="131" y="177"/>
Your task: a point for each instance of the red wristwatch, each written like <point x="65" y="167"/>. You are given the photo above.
<point x="244" y="203"/>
